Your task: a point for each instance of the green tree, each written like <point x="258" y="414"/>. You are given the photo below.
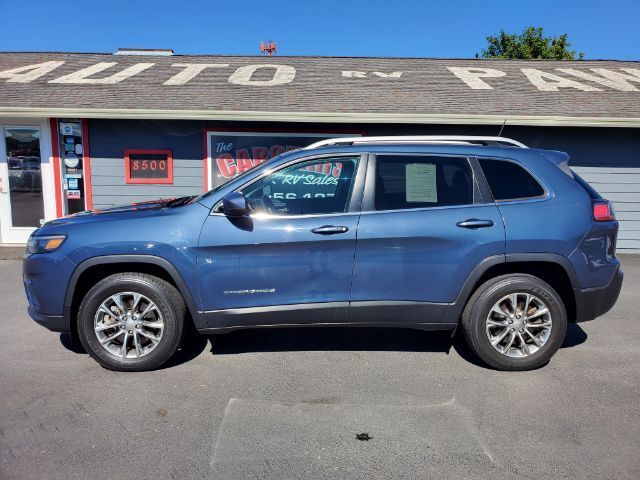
<point x="530" y="44"/>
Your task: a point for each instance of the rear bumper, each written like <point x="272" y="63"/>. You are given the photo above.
<point x="593" y="302"/>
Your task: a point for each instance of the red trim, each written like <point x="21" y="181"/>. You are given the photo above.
<point x="205" y="158"/>
<point x="86" y="166"/>
<point x="127" y="166"/>
<point x="55" y="154"/>
<point x="258" y="129"/>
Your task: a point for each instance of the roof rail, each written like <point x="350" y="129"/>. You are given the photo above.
<point x="430" y="139"/>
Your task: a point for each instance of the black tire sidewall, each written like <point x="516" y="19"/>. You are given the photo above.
<point x="480" y="310"/>
<point x="109" y="286"/>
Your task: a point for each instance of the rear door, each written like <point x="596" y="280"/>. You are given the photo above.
<point x="424" y="227"/>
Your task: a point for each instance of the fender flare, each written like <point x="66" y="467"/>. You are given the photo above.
<point x="456" y="308"/>
<point x="111" y="259"/>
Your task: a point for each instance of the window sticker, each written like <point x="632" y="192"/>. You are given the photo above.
<point x="421" y="183"/>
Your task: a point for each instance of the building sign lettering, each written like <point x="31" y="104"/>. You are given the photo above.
<point x="359" y="74"/>
<point x="276" y="74"/>
<point x="233" y="153"/>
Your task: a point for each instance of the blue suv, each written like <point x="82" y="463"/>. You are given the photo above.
<point x="431" y="233"/>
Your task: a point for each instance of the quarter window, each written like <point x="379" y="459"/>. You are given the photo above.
<point x="404" y="182"/>
<point x="508" y="180"/>
<point x="319" y="186"/>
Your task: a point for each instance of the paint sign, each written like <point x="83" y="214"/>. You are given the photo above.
<point x="233" y="153"/>
<point x="472" y="73"/>
<point x="73" y="194"/>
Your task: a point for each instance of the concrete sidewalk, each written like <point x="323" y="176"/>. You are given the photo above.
<point x="11" y="253"/>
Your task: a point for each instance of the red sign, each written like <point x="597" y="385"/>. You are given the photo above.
<point x="235" y="153"/>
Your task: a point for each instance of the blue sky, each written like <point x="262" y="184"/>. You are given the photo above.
<point x="451" y="28"/>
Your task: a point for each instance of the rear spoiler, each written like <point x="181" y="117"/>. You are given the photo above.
<point x="559" y="159"/>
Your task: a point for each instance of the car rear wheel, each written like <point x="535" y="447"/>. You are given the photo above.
<point x="515" y="322"/>
<point x="131" y="321"/>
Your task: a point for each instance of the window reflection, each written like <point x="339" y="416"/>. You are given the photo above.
<point x="25" y="179"/>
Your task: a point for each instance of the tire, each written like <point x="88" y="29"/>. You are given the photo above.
<point x="170" y="312"/>
<point x="478" y="320"/>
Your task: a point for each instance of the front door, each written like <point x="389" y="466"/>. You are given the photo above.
<point x="422" y="231"/>
<point x="291" y="261"/>
<point x="23" y="175"/>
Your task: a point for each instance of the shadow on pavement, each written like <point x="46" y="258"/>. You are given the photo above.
<point x="71" y="344"/>
<point x="193" y="346"/>
<point x="330" y="338"/>
<point x="327" y="339"/>
<point x="575" y="336"/>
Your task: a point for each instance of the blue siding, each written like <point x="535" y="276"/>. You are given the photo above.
<point x="610" y="157"/>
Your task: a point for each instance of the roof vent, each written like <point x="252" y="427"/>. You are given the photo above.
<point x="145" y="51"/>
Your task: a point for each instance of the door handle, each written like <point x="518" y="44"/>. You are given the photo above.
<point x="474" y="223"/>
<point x="330" y="230"/>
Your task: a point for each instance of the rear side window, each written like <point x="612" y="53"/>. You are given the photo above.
<point x="404" y="182"/>
<point x="509" y="181"/>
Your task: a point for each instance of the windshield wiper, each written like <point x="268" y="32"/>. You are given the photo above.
<point x="176" y="202"/>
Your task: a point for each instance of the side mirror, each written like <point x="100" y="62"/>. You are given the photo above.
<point x="234" y="204"/>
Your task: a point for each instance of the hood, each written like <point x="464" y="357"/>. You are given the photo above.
<point x="121" y="211"/>
<point x="147" y="205"/>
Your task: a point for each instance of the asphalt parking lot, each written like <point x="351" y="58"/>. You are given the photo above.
<point x="289" y="404"/>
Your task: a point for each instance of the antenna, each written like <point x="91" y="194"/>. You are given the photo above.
<point x="268" y="48"/>
<point x="502" y="127"/>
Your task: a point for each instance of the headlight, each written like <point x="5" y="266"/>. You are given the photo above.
<point x="45" y="243"/>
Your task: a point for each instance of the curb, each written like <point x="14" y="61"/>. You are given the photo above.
<point x="11" y="253"/>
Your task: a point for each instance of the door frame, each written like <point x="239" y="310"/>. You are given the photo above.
<point x="19" y="235"/>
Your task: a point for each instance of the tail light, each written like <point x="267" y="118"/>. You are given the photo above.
<point x="603" y="211"/>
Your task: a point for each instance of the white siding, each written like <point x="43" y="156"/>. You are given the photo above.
<point x="622" y="187"/>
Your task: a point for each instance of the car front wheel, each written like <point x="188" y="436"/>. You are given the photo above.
<point x="131" y="321"/>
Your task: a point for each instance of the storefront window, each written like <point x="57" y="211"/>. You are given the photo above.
<point x="233" y="153"/>
<point x="25" y="177"/>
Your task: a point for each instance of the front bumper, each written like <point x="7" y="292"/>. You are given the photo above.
<point x="52" y="322"/>
<point x="45" y="277"/>
<point x="594" y="302"/>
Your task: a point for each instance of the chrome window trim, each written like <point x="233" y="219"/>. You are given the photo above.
<point x="277" y="217"/>
<point x="425" y="209"/>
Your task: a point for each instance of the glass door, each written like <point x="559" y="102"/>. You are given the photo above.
<point x="22" y="207"/>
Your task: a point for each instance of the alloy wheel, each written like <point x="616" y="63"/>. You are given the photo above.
<point x="518" y="325"/>
<point x="128" y="325"/>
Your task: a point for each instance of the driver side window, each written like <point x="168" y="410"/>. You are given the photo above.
<point x="318" y="186"/>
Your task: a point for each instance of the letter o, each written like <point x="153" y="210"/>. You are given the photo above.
<point x="283" y="74"/>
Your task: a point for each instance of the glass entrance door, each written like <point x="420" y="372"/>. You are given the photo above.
<point x="22" y="206"/>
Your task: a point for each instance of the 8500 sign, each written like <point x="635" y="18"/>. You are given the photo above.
<point x="148" y="166"/>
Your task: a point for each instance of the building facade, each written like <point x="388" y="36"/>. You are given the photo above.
<point x="89" y="131"/>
